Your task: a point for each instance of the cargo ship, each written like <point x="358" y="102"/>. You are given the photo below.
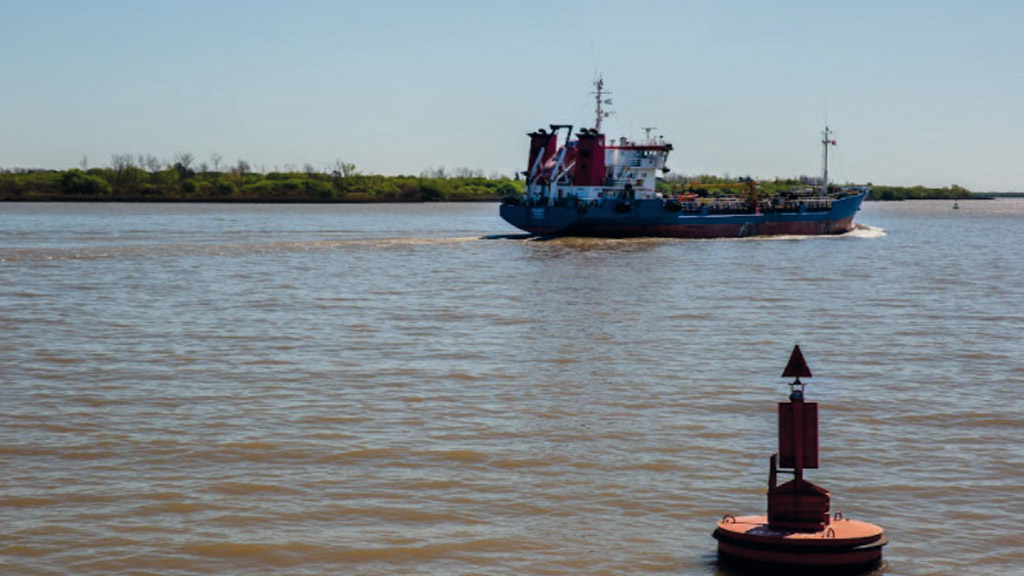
<point x="579" y="184"/>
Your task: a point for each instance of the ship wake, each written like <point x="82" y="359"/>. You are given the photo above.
<point x="865" y="231"/>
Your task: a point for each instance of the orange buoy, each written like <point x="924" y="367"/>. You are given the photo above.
<point x="798" y="530"/>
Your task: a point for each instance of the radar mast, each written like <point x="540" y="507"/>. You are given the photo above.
<point x="599" y="95"/>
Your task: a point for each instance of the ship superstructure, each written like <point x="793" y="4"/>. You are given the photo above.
<point x="588" y="168"/>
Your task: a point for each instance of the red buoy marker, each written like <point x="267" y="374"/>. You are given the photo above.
<point x="798" y="530"/>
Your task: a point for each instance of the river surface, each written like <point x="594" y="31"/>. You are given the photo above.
<point x="416" y="389"/>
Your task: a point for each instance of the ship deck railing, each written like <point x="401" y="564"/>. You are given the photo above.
<point x="816" y="204"/>
<point x="719" y="206"/>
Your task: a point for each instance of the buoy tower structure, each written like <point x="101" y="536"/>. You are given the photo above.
<point x="798" y="530"/>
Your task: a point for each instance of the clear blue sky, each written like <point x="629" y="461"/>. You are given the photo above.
<point x="918" y="92"/>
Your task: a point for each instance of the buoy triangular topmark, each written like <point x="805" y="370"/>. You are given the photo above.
<point x="797" y="366"/>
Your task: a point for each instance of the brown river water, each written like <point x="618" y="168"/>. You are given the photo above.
<point x="416" y="389"/>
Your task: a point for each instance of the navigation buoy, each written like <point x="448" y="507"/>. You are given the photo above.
<point x="799" y="530"/>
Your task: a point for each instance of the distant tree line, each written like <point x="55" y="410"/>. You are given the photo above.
<point x="778" y="185"/>
<point x="134" y="178"/>
<point x="953" y="192"/>
<point x="139" y="177"/>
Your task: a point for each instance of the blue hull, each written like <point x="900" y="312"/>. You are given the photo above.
<point x="652" y="218"/>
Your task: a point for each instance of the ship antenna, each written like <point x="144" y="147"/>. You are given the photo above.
<point x="599" y="95"/>
<point x="648" y="130"/>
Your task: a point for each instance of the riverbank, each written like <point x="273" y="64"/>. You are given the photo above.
<point x="181" y="184"/>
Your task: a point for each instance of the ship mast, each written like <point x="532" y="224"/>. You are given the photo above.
<point x="826" y="141"/>
<point x="599" y="93"/>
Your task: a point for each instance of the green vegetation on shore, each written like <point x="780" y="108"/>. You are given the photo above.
<point x="779" y="185"/>
<point x="953" y="192"/>
<point x="129" y="182"/>
<point x="147" y="180"/>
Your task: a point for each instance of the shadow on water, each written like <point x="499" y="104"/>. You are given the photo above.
<point x="585" y="243"/>
<point x="538" y="238"/>
<point x="724" y="566"/>
<point x="509" y="237"/>
<point x="859" y="231"/>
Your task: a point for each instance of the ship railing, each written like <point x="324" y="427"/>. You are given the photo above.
<point x="813" y="204"/>
<point x="728" y="206"/>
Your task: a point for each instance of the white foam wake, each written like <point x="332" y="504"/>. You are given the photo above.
<point x="865" y="231"/>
